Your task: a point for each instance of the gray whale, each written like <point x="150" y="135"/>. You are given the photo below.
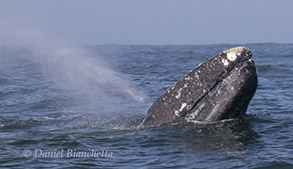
<point x="220" y="88"/>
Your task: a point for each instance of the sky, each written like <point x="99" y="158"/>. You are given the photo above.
<point x="90" y="22"/>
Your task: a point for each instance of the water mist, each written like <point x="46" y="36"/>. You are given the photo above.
<point x="74" y="69"/>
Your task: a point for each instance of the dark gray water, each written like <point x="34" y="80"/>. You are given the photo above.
<point x="53" y="105"/>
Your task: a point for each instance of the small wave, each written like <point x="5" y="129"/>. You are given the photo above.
<point x="211" y="122"/>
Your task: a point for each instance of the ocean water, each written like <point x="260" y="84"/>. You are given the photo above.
<point x="78" y="107"/>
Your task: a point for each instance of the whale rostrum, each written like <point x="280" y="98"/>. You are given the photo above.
<point x="220" y="88"/>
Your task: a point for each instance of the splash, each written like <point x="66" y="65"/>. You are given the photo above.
<point x="73" y="68"/>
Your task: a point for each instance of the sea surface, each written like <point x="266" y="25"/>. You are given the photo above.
<point x="79" y="107"/>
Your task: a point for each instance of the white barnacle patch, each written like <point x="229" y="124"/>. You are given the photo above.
<point x="177" y="113"/>
<point x="225" y="62"/>
<point x="231" y="56"/>
<point x="183" y="105"/>
<point x="196" y="75"/>
<point x="234" y="52"/>
<point x="170" y="88"/>
<point x="232" y="88"/>
<point x="179" y="93"/>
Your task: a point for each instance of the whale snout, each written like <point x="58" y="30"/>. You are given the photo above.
<point x="233" y="56"/>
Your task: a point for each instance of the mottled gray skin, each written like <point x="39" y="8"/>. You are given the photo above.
<point x="218" y="89"/>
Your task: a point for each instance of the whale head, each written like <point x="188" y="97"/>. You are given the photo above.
<point x="220" y="88"/>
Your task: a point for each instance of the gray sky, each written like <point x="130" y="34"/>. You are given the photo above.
<point x="156" y="21"/>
